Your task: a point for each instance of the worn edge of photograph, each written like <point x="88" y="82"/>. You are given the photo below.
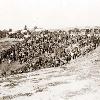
<point x="49" y="50"/>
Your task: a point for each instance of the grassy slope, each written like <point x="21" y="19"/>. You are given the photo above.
<point x="5" y="43"/>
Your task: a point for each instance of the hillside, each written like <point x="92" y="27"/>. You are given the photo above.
<point x="78" y="80"/>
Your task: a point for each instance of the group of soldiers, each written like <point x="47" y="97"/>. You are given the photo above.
<point x="48" y="49"/>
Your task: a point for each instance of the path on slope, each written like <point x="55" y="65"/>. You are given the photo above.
<point x="78" y="80"/>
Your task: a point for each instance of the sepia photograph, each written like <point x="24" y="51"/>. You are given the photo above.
<point x="49" y="49"/>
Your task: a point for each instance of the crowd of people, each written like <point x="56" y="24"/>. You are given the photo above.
<point x="49" y="49"/>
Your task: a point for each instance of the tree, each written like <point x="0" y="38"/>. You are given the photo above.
<point x="10" y="30"/>
<point x="35" y="27"/>
<point x="25" y="28"/>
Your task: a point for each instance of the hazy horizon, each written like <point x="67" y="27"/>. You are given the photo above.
<point x="49" y="13"/>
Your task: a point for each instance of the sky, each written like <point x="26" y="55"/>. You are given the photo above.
<point x="49" y="13"/>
